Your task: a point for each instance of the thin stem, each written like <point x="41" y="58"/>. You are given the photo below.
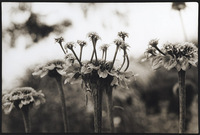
<point x="159" y="50"/>
<point x="123" y="61"/>
<point x="62" y="98"/>
<point x="76" y="56"/>
<point x="182" y="101"/>
<point x="114" y="57"/>
<point x="92" y="56"/>
<point x="102" y="54"/>
<point x="97" y="95"/>
<point x="105" y="54"/>
<point x="110" y="108"/>
<point x="127" y="62"/>
<point x="26" y="119"/>
<point x="62" y="48"/>
<point x="185" y="36"/>
<point x="81" y="50"/>
<point x="94" y="45"/>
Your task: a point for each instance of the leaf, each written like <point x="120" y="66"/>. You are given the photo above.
<point x="157" y="62"/>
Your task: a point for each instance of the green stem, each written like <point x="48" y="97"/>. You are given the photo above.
<point x="26" y="118"/>
<point x="97" y="95"/>
<point x="76" y="57"/>
<point x="182" y="101"/>
<point x="110" y="108"/>
<point x="62" y="98"/>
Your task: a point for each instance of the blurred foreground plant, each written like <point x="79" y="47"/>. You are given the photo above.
<point x="180" y="56"/>
<point x="54" y="69"/>
<point x="23" y="99"/>
<point x="97" y="75"/>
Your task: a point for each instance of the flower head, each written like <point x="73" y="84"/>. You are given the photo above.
<point x="124" y="46"/>
<point x="59" y="40"/>
<point x="69" y="45"/>
<point x="153" y="42"/>
<point x="178" y="5"/>
<point x="81" y="43"/>
<point x="104" y="47"/>
<point x="118" y="42"/>
<point x="122" y="34"/>
<point x="70" y="58"/>
<point x="21" y="97"/>
<point x="93" y="36"/>
<point x="51" y="68"/>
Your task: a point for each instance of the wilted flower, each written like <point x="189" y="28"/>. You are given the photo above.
<point x="51" y="68"/>
<point x="122" y="34"/>
<point x="21" y="97"/>
<point x="153" y="42"/>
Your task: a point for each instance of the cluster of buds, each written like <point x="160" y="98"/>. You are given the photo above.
<point x="181" y="56"/>
<point x="96" y="70"/>
<point x="20" y="98"/>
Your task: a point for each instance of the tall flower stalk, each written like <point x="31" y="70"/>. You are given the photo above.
<point x="180" y="6"/>
<point x="180" y="56"/>
<point x="97" y="77"/>
<point x="22" y="99"/>
<point x="54" y="69"/>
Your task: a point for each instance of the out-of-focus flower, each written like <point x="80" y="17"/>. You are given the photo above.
<point x="69" y="45"/>
<point x="93" y="36"/>
<point x="178" y="5"/>
<point x="104" y="47"/>
<point x="122" y="34"/>
<point x="52" y="68"/>
<point x="118" y="42"/>
<point x="153" y="42"/>
<point x="70" y="58"/>
<point x="20" y="97"/>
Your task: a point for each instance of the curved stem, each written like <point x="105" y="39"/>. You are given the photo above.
<point x="26" y="118"/>
<point x="110" y="108"/>
<point x="76" y="56"/>
<point x="127" y="62"/>
<point x="97" y="96"/>
<point x="123" y="61"/>
<point x="62" y="98"/>
<point x="182" y="101"/>
<point x="114" y="57"/>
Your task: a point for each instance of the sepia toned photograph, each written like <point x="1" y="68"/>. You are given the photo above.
<point x="100" y="67"/>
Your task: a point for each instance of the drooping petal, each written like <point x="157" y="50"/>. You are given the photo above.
<point x="8" y="106"/>
<point x="169" y="62"/>
<point x="103" y="74"/>
<point x="114" y="81"/>
<point x="50" y="67"/>
<point x="44" y="73"/>
<point x="157" y="62"/>
<point x="61" y="71"/>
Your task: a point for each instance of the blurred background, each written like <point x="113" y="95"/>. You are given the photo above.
<point x="148" y="106"/>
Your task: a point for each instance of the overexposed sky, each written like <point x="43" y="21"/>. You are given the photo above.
<point x="143" y="21"/>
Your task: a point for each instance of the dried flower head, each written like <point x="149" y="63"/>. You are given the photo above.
<point x="104" y="47"/>
<point x="21" y="97"/>
<point x="93" y="36"/>
<point x="122" y="34"/>
<point x="59" y="40"/>
<point x="81" y="43"/>
<point x="153" y="42"/>
<point x="69" y="45"/>
<point x="118" y="42"/>
<point x="124" y="46"/>
<point x="51" y="68"/>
